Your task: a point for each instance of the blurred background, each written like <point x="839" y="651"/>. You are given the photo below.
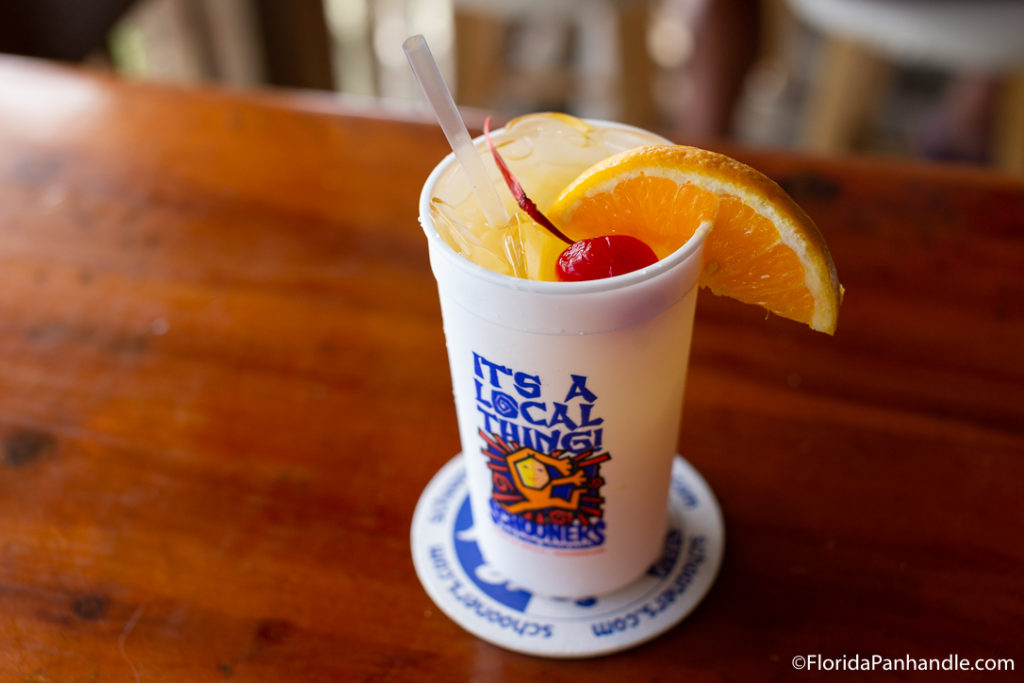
<point x="934" y="79"/>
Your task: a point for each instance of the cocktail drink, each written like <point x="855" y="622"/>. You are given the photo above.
<point x="568" y="394"/>
<point x="569" y="363"/>
<point x="547" y="152"/>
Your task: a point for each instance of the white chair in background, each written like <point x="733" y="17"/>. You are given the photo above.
<point x="864" y="36"/>
<point x="608" y="72"/>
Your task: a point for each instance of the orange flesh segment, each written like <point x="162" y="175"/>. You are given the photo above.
<point x="744" y="259"/>
<point x="762" y="250"/>
<point x="655" y="210"/>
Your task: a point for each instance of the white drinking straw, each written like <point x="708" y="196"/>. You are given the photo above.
<point x="440" y="98"/>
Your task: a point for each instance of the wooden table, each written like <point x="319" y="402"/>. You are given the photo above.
<point x="223" y="386"/>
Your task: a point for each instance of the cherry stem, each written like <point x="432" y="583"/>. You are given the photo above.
<point x="525" y="203"/>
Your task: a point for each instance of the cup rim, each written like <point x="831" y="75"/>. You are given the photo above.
<point x="544" y="286"/>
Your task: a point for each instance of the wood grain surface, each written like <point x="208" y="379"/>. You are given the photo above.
<point x="223" y="386"/>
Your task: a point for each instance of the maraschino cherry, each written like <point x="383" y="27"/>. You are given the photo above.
<point x="587" y="259"/>
<point x="604" y="256"/>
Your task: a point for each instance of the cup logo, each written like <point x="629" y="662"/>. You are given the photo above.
<point x="544" y="457"/>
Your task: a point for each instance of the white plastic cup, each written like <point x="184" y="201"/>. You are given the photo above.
<point x="539" y="367"/>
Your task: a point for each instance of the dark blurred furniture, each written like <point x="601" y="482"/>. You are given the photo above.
<point x="293" y="40"/>
<point x="58" y="29"/>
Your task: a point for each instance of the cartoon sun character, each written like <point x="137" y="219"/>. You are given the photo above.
<point x="533" y="480"/>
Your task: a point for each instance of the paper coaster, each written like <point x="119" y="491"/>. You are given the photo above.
<point x="475" y="595"/>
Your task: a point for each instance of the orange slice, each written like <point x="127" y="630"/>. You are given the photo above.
<point x="763" y="249"/>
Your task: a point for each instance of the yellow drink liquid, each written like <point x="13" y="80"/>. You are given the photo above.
<point x="545" y="152"/>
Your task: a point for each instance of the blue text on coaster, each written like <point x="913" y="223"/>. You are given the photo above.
<point x="475" y="595"/>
